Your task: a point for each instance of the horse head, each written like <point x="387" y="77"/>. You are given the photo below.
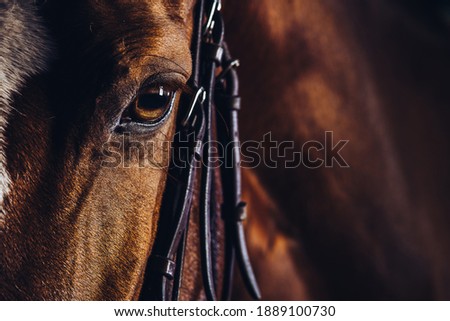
<point x="81" y="82"/>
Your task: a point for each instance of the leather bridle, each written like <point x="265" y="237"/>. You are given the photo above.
<point x="216" y="98"/>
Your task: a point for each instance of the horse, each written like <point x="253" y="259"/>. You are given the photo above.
<point x="75" y="77"/>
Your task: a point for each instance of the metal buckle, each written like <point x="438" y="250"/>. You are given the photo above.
<point x="199" y="97"/>
<point x="216" y="6"/>
<point x="230" y="65"/>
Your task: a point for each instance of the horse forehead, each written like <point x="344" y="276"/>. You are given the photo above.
<point x="125" y="33"/>
<point x="164" y="23"/>
<point x="171" y="9"/>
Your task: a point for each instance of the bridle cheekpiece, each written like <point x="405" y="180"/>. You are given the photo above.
<point x="211" y="116"/>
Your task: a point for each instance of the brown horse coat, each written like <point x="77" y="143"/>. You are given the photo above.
<point x="376" y="74"/>
<point x="373" y="73"/>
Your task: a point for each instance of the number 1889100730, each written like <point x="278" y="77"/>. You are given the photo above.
<point x="296" y="311"/>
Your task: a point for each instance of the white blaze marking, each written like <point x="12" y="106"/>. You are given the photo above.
<point x="24" y="51"/>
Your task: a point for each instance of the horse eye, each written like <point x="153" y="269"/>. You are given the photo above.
<point x="151" y="105"/>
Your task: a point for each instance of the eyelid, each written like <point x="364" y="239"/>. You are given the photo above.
<point x="170" y="81"/>
<point x="157" y="89"/>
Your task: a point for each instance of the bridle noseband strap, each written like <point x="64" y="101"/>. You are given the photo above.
<point x="197" y="128"/>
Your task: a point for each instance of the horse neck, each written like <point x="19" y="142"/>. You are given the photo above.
<point x="351" y="68"/>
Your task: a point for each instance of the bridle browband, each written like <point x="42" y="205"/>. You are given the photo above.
<point x="216" y="85"/>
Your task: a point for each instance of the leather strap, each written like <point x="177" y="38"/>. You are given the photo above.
<point x="164" y="270"/>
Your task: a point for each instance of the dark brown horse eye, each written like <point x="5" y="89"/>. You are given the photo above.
<point x="151" y="105"/>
